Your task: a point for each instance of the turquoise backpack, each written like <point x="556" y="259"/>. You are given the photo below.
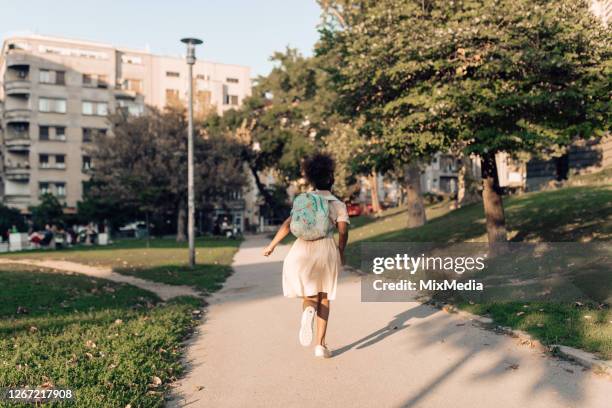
<point x="310" y="216"/>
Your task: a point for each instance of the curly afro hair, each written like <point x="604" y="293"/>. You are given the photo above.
<point x="319" y="170"/>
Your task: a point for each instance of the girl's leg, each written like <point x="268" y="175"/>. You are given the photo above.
<point x="310" y="301"/>
<point x="322" y="316"/>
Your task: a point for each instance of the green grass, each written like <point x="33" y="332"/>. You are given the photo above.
<point x="580" y="213"/>
<point x="134" y="253"/>
<point x="206" y="278"/>
<point x="587" y="327"/>
<point x="66" y="314"/>
<point x="105" y="341"/>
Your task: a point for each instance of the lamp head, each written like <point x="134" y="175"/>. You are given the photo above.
<point x="191" y="43"/>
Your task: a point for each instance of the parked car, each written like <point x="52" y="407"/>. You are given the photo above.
<point x="353" y="209"/>
<point x="137" y="229"/>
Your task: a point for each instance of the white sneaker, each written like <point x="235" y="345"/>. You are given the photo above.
<point x="322" y="352"/>
<point x="307" y="326"/>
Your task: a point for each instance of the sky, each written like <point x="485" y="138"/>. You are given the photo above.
<point x="244" y="32"/>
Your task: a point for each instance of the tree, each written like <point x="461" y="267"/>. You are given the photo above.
<point x="481" y="76"/>
<point x="354" y="50"/>
<point x="10" y="217"/>
<point x="48" y="211"/>
<point x="285" y="119"/>
<point x="143" y="165"/>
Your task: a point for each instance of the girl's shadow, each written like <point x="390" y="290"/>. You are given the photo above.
<point x="398" y="323"/>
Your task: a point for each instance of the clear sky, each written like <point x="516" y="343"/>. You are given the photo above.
<point x="244" y="32"/>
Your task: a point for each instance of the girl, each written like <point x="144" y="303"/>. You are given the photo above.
<point x="311" y="268"/>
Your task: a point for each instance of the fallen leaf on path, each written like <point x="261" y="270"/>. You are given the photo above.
<point x="512" y="367"/>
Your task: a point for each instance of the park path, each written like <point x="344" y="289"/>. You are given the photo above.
<point x="162" y="290"/>
<point x="246" y="353"/>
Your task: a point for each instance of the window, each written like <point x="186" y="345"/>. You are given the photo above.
<point x="43" y="188"/>
<point x="60" y="189"/>
<point x="44" y="76"/>
<point x="203" y="77"/>
<point x="230" y="100"/>
<point x="95" y="80"/>
<point x="90" y="133"/>
<point x="232" y="80"/>
<point x="47" y="76"/>
<point x="172" y="96"/>
<point x="60" y="78"/>
<point x="203" y="99"/>
<point x="86" y="162"/>
<point x="102" y="109"/>
<point x="131" y="59"/>
<point x="43" y="160"/>
<point x="52" y="105"/>
<point x="60" y="161"/>
<point x="43" y="132"/>
<point x="102" y="81"/>
<point x="133" y="85"/>
<point x="60" y="133"/>
<point x="95" y="108"/>
<point x="172" y="74"/>
<point x="88" y="108"/>
<point x="132" y="107"/>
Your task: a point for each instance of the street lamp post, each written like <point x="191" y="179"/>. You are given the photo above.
<point x="191" y="43"/>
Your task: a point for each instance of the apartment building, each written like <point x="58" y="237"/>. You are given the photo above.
<point x="55" y="96"/>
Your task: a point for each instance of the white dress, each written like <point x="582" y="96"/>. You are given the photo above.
<point x="312" y="267"/>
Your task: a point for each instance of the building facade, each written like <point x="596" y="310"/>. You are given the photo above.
<point x="55" y="96"/>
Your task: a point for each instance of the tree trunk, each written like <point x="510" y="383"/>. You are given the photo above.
<point x="261" y="186"/>
<point x="180" y="224"/>
<point x="414" y="198"/>
<point x="493" y="204"/>
<point x="376" y="208"/>
<point x="467" y="186"/>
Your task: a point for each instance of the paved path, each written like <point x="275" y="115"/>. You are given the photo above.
<point x="162" y="290"/>
<point x="246" y="354"/>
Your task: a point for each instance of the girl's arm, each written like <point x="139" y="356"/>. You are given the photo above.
<point x="342" y="238"/>
<point x="282" y="232"/>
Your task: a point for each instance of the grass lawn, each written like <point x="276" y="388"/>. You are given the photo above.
<point x="113" y="344"/>
<point x="581" y="213"/>
<point x="161" y="260"/>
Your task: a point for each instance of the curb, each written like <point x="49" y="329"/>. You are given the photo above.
<point x="580" y="357"/>
<point x="583" y="358"/>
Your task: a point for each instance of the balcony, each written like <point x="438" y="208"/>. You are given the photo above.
<point x="123" y="93"/>
<point x="17" y="172"/>
<point x="18" y="87"/>
<point x="17" y="141"/>
<point x="17" y="59"/>
<point x="17" y="115"/>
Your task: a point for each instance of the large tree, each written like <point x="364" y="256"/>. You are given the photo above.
<point x="286" y="118"/>
<point x="482" y="76"/>
<point x="143" y="165"/>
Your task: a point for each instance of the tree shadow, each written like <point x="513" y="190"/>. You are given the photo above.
<point x="435" y="327"/>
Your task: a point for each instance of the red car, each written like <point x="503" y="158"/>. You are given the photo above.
<point x="353" y="209"/>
